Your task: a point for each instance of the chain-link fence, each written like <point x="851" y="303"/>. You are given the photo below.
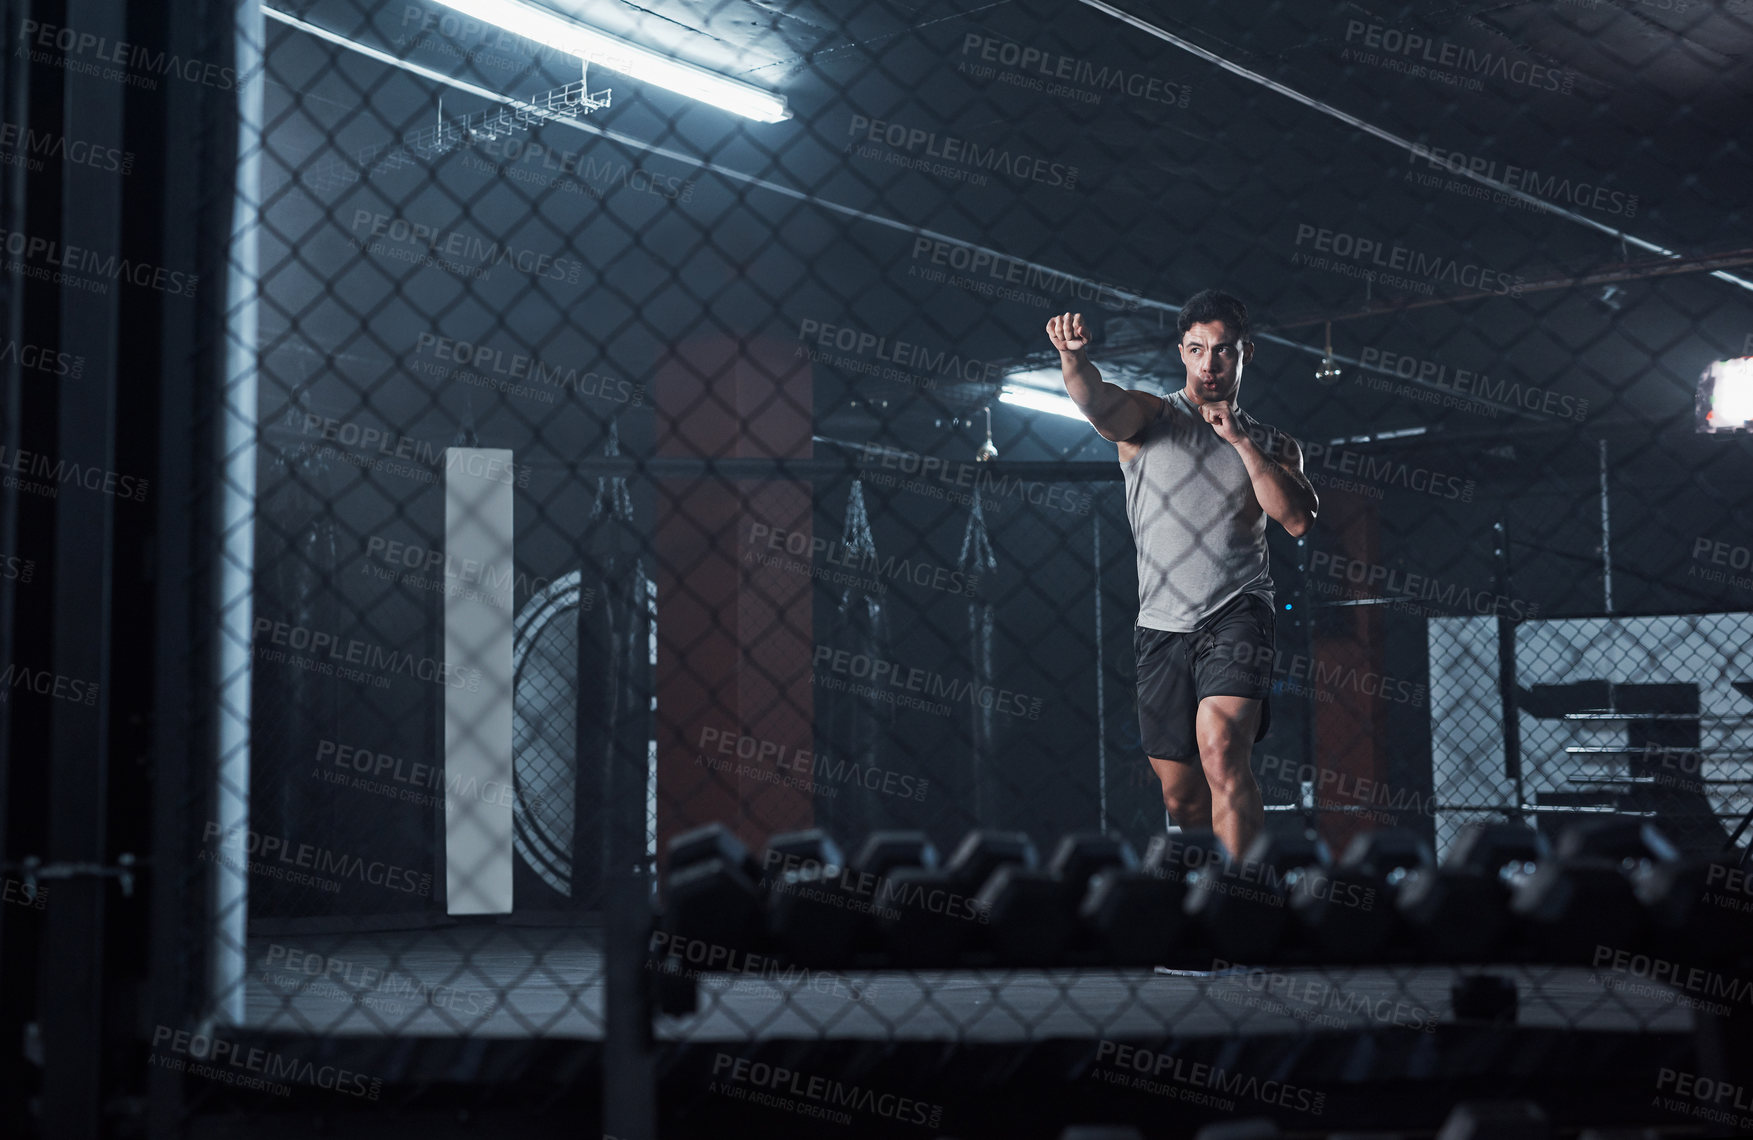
<point x="641" y="417"/>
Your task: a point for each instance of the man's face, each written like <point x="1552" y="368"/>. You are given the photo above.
<point x="1214" y="357"/>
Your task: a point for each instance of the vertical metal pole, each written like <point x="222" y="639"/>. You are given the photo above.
<point x="629" y="1059"/>
<point x="1101" y="668"/>
<point x="1606" y="547"/>
<point x="1506" y="674"/>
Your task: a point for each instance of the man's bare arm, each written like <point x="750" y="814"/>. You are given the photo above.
<point x="1116" y="413"/>
<point x="1284" y="492"/>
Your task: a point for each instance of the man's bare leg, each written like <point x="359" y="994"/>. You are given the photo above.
<point x="1225" y="728"/>
<point x="1185" y="793"/>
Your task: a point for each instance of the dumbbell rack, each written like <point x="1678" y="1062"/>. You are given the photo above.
<point x="1036" y="1063"/>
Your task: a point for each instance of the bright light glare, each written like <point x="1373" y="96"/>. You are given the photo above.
<point x="1040" y="401"/>
<point x="562" y="33"/>
<point x="1731" y="403"/>
<point x="1052" y="379"/>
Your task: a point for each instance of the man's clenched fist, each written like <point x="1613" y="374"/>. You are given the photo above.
<point x="1222" y="420"/>
<point x="1067" y="332"/>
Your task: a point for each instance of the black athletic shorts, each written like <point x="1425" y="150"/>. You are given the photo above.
<point x="1229" y="654"/>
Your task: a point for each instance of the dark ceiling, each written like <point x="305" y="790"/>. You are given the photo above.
<point x="1208" y="176"/>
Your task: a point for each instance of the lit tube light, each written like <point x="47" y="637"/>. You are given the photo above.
<point x="564" y="34"/>
<point x="1037" y="400"/>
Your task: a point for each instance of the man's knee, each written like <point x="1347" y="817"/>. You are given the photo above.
<point x="1184" y="790"/>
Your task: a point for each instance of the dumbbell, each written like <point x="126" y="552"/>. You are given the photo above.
<point x="1241" y="909"/>
<point x="930" y="917"/>
<point x="1346" y="912"/>
<point x="710" y="890"/>
<point x="1176" y="855"/>
<point x="1460" y="912"/>
<point x="1032" y="915"/>
<point x="884" y="851"/>
<point x="1634" y="844"/>
<point x="1577" y="902"/>
<point x="1698" y="909"/>
<point x="1570" y="908"/>
<point x="808" y="919"/>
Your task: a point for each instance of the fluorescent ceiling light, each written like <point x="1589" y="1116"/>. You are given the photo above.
<point x="564" y="34"/>
<point x="1037" y="400"/>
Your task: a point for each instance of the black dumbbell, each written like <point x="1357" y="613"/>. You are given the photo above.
<point x="1132" y="917"/>
<point x="1241" y="909"/>
<point x="1032" y="915"/>
<point x="812" y="917"/>
<point x="883" y="851"/>
<point x="1175" y="855"/>
<point x="931" y="917"/>
<point x="1346" y="912"/>
<point x="801" y="850"/>
<point x="1634" y="844"/>
<point x="1571" y="908"/>
<point x="710" y="891"/>
<point x="1460" y="912"/>
<point x="1698" y="909"/>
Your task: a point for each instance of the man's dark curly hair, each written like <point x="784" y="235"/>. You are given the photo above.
<point x="1215" y="305"/>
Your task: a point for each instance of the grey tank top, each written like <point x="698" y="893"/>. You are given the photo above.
<point x="1200" y="532"/>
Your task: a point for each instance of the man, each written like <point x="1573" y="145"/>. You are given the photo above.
<point x="1202" y="477"/>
